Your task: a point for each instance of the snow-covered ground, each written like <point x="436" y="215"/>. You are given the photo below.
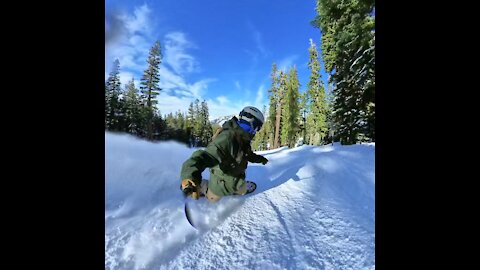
<point x="314" y="208"/>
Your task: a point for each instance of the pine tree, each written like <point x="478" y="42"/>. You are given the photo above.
<point x="184" y="136"/>
<point x="316" y="124"/>
<point x="304" y="99"/>
<point x="190" y="123"/>
<point x="207" y="131"/>
<point x="280" y="140"/>
<point x="180" y="120"/>
<point x="290" y="127"/>
<point x="149" y="86"/>
<point x="112" y="94"/>
<point x="197" y="124"/>
<point x="159" y="127"/>
<point x="272" y="111"/>
<point x="330" y="121"/>
<point x="170" y="121"/>
<point x="132" y="108"/>
<point x="260" y="140"/>
<point x="348" y="46"/>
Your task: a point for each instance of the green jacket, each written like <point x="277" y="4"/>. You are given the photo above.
<point x="227" y="156"/>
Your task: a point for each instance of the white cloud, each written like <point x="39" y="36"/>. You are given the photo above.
<point x="258" y="39"/>
<point x="176" y="56"/>
<point x="180" y="98"/>
<point x="222" y="106"/>
<point x="287" y="62"/>
<point x="171" y="104"/>
<point x="140" y="22"/>
<point x="177" y="92"/>
<point x="218" y="108"/>
<point x="222" y="100"/>
<point x="125" y="77"/>
<point x="176" y="85"/>
<point x="197" y="88"/>
<point x="132" y="47"/>
<point x="170" y="80"/>
<point x="259" y="99"/>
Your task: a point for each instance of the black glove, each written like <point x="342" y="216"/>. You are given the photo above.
<point x="263" y="160"/>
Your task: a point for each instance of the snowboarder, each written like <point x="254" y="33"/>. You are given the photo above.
<point x="227" y="156"/>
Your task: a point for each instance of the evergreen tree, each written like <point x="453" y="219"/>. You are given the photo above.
<point x="304" y="99"/>
<point x="273" y="101"/>
<point x="112" y="94"/>
<point x="132" y="107"/>
<point x="158" y="127"/>
<point x="149" y="87"/>
<point x="197" y="124"/>
<point x="316" y="124"/>
<point x="330" y="121"/>
<point x="207" y="132"/>
<point x="170" y="121"/>
<point x="190" y="123"/>
<point x="279" y="140"/>
<point x="180" y="120"/>
<point x="290" y="127"/>
<point x="348" y="46"/>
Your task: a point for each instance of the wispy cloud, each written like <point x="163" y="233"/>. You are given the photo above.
<point x="140" y="22"/>
<point x="287" y="62"/>
<point x="114" y="28"/>
<point x="259" y="99"/>
<point x="125" y="77"/>
<point x="221" y="105"/>
<point x="134" y="37"/>
<point x="132" y="45"/>
<point x="258" y="39"/>
<point x="222" y="100"/>
<point x="132" y="48"/>
<point x="171" y="104"/>
<point x="176" y="56"/>
<point x="176" y="85"/>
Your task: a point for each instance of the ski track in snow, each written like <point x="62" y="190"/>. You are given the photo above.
<point x="314" y="208"/>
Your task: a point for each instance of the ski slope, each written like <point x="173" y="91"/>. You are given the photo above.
<point x="314" y="208"/>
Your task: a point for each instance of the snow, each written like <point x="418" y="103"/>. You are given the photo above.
<point x="314" y="208"/>
<point x="222" y="119"/>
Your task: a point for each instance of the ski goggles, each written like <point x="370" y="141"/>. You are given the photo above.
<point x="254" y="122"/>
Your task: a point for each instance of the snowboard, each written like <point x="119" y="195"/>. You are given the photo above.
<point x="202" y="214"/>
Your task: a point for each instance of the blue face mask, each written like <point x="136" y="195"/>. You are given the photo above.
<point x="246" y="126"/>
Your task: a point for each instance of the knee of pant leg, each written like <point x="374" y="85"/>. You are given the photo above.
<point x="212" y="197"/>
<point x="204" y="187"/>
<point x="241" y="188"/>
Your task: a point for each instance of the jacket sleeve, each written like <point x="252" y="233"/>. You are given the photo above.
<point x="193" y="167"/>
<point x="254" y="158"/>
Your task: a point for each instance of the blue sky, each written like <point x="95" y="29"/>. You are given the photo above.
<point x="220" y="51"/>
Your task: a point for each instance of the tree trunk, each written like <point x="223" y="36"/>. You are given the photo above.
<point x="276" y="142"/>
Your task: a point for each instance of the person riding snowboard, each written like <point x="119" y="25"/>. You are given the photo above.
<point x="227" y="156"/>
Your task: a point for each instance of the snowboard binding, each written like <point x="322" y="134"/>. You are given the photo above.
<point x="251" y="186"/>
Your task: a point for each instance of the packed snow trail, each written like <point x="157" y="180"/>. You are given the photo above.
<point x="314" y="208"/>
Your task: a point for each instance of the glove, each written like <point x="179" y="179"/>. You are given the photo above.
<point x="191" y="189"/>
<point x="264" y="160"/>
